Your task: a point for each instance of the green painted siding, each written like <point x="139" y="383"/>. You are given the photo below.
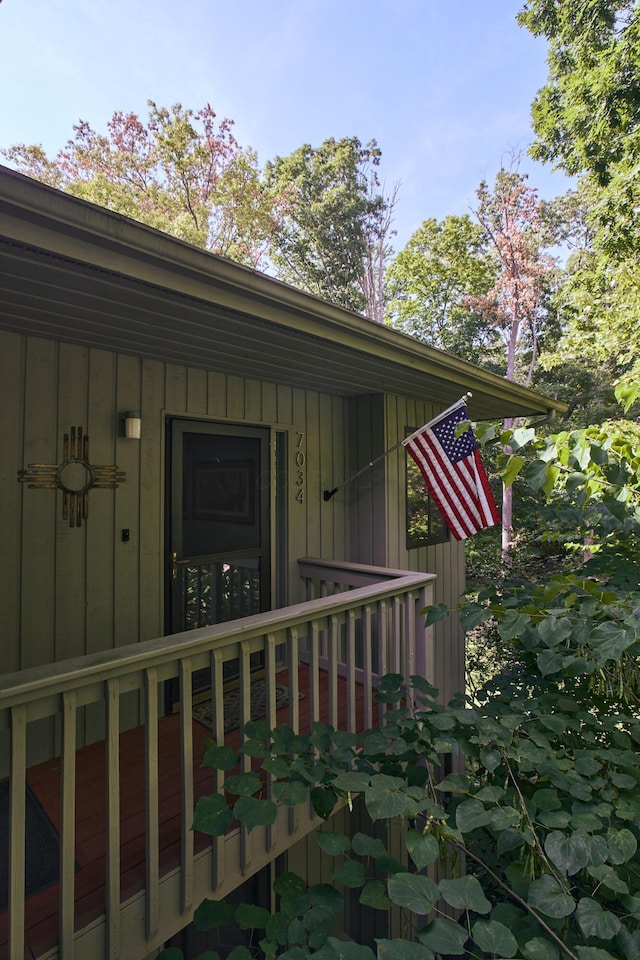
<point x="70" y="591"/>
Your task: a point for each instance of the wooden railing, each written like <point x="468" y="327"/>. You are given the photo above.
<point x="358" y="623"/>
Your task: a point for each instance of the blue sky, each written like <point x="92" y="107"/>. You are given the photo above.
<point x="445" y="88"/>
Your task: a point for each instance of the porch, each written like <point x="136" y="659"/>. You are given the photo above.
<point x="122" y="787"/>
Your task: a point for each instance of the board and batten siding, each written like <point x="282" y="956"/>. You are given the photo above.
<point x="72" y="591"/>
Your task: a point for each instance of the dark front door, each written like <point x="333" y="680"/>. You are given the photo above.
<point x="218" y="518"/>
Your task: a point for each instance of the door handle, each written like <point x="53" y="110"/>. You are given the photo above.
<point x="174" y="565"/>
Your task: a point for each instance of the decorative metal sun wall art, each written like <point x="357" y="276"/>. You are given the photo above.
<point x="75" y="476"/>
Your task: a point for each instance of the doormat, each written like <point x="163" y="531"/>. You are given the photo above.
<point x="202" y="712"/>
<point x="41" y="842"/>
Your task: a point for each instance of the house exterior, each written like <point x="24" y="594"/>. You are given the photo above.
<point x="170" y="422"/>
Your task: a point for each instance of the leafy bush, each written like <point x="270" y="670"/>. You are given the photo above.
<point x="537" y="823"/>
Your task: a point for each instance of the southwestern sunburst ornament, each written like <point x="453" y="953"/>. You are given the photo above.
<point x="75" y="476"/>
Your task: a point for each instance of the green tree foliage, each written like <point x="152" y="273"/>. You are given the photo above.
<point x="182" y="172"/>
<point x="336" y="224"/>
<point x="587" y="117"/>
<point x="597" y="302"/>
<point x="429" y="283"/>
<point x="541" y="800"/>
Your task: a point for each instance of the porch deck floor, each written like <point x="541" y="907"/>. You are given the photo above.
<point x="41" y="909"/>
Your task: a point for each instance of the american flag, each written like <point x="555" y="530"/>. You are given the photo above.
<point x="454" y="473"/>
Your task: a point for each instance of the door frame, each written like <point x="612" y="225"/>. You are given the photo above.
<point x="173" y="469"/>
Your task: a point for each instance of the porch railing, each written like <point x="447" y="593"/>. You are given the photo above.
<point x="358" y="623"/>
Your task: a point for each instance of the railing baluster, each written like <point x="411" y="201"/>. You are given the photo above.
<point x="67" y="824"/>
<point x="186" y="766"/>
<point x="350" y="660"/>
<point x="294" y="680"/>
<point x="270" y="714"/>
<point x="396" y="636"/>
<point x="218" y="865"/>
<point x="332" y="655"/>
<point x="18" y="776"/>
<point x="112" y="770"/>
<point x="383" y="649"/>
<point x="409" y="637"/>
<point x="245" y="716"/>
<point x="152" y="801"/>
<point x="314" y="673"/>
<point x="367" y="653"/>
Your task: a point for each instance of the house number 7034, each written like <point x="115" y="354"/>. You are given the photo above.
<point x="301" y="460"/>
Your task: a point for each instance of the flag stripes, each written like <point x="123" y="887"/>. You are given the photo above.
<point x="453" y="471"/>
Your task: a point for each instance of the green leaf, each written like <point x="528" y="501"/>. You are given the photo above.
<point x="596" y="922"/>
<point x="472" y="615"/>
<point x="470" y="815"/>
<point x="373" y="895"/>
<point x="416" y="893"/>
<point x="490" y="759"/>
<point x="443" y="936"/>
<point x="621" y="844"/>
<point x="255" y="813"/>
<point x="546" y="895"/>
<point x="289" y="792"/>
<point x="213" y="913"/>
<point x="323" y="801"/>
<point x="351" y="781"/>
<point x="465" y="893"/>
<point x="243" y="784"/>
<point x="435" y="613"/>
<point x="220" y="758"/>
<point x="552" y="630"/>
<point x="549" y="662"/>
<point x="249" y="916"/>
<point x="594" y="953"/>
<point x="454" y="783"/>
<point x="350" y="873"/>
<point x="423" y="848"/>
<point x="345" y="950"/>
<point x="512" y="469"/>
<point x="332" y="843"/>
<point x="384" y="802"/>
<point x="402" y="950"/>
<point x="610" y="640"/>
<point x="240" y="953"/>
<point x="539" y="949"/>
<point x="366" y="846"/>
<point x="512" y="624"/>
<point x="494" y="938"/>
<point x="570" y="853"/>
<point x="171" y="953"/>
<point x="212" y="815"/>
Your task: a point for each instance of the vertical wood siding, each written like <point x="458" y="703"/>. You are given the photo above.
<point x="70" y="591"/>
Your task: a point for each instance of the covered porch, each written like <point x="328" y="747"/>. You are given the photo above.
<point x="126" y="772"/>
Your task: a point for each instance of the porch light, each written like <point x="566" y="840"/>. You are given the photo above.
<point x="132" y="424"/>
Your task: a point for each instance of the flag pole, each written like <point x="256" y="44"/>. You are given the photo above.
<point x="328" y="494"/>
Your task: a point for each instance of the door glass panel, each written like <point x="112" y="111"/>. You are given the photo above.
<point x="218" y="591"/>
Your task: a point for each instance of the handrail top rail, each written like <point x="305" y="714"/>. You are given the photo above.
<point x="383" y="573"/>
<point x="54" y="678"/>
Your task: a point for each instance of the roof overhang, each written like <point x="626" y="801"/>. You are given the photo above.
<point x="75" y="272"/>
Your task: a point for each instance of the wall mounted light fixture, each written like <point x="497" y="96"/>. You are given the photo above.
<point x="131" y="423"/>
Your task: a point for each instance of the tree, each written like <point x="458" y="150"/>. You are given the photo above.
<point x="430" y="283"/>
<point x="587" y="117"/>
<point x="333" y="239"/>
<point x="510" y="218"/>
<point x="181" y="172"/>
